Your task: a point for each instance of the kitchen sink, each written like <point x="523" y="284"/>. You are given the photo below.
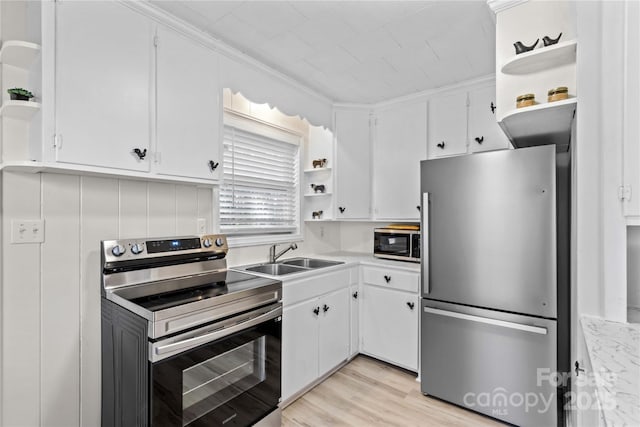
<point x="311" y="262"/>
<point x="291" y="265"/>
<point x="275" y="269"/>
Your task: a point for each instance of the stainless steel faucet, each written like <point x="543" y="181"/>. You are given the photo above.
<point x="273" y="256"/>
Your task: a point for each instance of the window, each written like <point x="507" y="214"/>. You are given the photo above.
<point x="260" y="193"/>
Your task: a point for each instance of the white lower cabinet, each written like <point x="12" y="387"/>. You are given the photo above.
<point x="389" y="316"/>
<point x="299" y="347"/>
<point x="330" y="317"/>
<point x="315" y="328"/>
<point x="354" y="311"/>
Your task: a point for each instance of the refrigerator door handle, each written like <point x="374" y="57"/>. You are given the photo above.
<point x="424" y="244"/>
<point x="488" y="321"/>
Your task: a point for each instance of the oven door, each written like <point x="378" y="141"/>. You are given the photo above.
<point x="233" y="380"/>
<point x="392" y="244"/>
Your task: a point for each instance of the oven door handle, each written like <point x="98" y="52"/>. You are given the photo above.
<point x="167" y="350"/>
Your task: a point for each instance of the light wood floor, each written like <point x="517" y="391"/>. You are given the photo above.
<point x="367" y="392"/>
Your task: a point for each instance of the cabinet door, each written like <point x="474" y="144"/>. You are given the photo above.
<point x="299" y="347"/>
<point x="390" y="325"/>
<point x="400" y="145"/>
<point x="334" y="331"/>
<point x="447" y="125"/>
<point x="484" y="132"/>
<point x="354" y="312"/>
<point x="188" y="107"/>
<point x="353" y="165"/>
<point x="103" y="84"/>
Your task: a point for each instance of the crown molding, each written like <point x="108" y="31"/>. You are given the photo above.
<point x="165" y="18"/>
<point x="501" y="5"/>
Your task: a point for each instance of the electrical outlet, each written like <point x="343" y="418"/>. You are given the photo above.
<point x="27" y="231"/>
<point x="202" y="225"/>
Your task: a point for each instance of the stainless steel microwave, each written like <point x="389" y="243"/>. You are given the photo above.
<point x="397" y="243"/>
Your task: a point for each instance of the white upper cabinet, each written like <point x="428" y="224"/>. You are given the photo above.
<point x="353" y="174"/>
<point x="103" y="85"/>
<point x="188" y="112"/>
<point x="400" y="143"/>
<point x="484" y="132"/>
<point x="447" y="125"/>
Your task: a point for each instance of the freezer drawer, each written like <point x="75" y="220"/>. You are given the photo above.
<point x="495" y="363"/>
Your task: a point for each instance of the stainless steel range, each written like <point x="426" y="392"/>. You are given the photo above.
<point x="185" y="342"/>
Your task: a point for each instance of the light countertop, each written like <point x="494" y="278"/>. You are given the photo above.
<point x="614" y="351"/>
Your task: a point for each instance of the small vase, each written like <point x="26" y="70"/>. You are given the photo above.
<point x="18" y="97"/>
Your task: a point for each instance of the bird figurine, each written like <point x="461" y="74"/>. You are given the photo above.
<point x="520" y="48"/>
<point x="548" y="41"/>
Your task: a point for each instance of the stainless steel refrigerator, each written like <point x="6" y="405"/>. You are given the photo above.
<point x="495" y="282"/>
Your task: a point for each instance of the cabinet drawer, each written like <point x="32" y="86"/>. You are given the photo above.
<point x="390" y="278"/>
<point x="298" y="290"/>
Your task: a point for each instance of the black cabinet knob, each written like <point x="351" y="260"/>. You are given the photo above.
<point x="387" y="278"/>
<point x="440" y="145"/>
<point x="325" y="308"/>
<point x="316" y="311"/>
<point x="411" y="305"/>
<point x="140" y="153"/>
<point x="342" y="209"/>
<point x="213" y="165"/>
<point x="355" y="295"/>
<point x="418" y="207"/>
<point x="479" y="140"/>
<point x="493" y="108"/>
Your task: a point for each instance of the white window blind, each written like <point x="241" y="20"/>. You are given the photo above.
<point x="260" y="190"/>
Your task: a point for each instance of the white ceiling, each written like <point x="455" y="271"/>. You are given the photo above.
<point x="355" y="51"/>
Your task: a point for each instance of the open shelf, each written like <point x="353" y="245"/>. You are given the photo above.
<point x="317" y="194"/>
<point x="548" y="123"/>
<point x="22" y="110"/>
<point x="542" y="59"/>
<point x="316" y="170"/>
<point x="19" y="54"/>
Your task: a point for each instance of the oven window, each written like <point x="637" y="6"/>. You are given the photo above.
<point x="212" y="383"/>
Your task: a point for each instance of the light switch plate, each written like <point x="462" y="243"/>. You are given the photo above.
<point x="27" y="231"/>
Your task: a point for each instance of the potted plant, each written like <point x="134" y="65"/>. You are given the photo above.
<point x="20" y="94"/>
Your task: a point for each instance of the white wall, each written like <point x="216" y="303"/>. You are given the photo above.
<point x="633" y="267"/>
<point x="51" y="291"/>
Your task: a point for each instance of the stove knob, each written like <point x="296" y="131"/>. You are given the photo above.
<point x="137" y="248"/>
<point x="206" y="243"/>
<point x="219" y="242"/>
<point x="118" y="250"/>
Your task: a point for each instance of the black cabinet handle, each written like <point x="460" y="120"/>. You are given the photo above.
<point x="578" y="368"/>
<point x="493" y="108"/>
<point x="411" y="305"/>
<point x="441" y="145"/>
<point x="325" y="308"/>
<point x="479" y="140"/>
<point x="140" y="153"/>
<point x="213" y="165"/>
<point x="387" y="278"/>
<point x="316" y="311"/>
<point x="418" y="207"/>
<point x="342" y="209"/>
<point x="355" y="295"/>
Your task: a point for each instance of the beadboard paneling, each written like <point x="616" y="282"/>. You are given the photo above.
<point x="51" y="291"/>
<point x="99" y="221"/>
<point x="20" y="306"/>
<point x="186" y="210"/>
<point x="133" y="208"/>
<point x="60" y="302"/>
